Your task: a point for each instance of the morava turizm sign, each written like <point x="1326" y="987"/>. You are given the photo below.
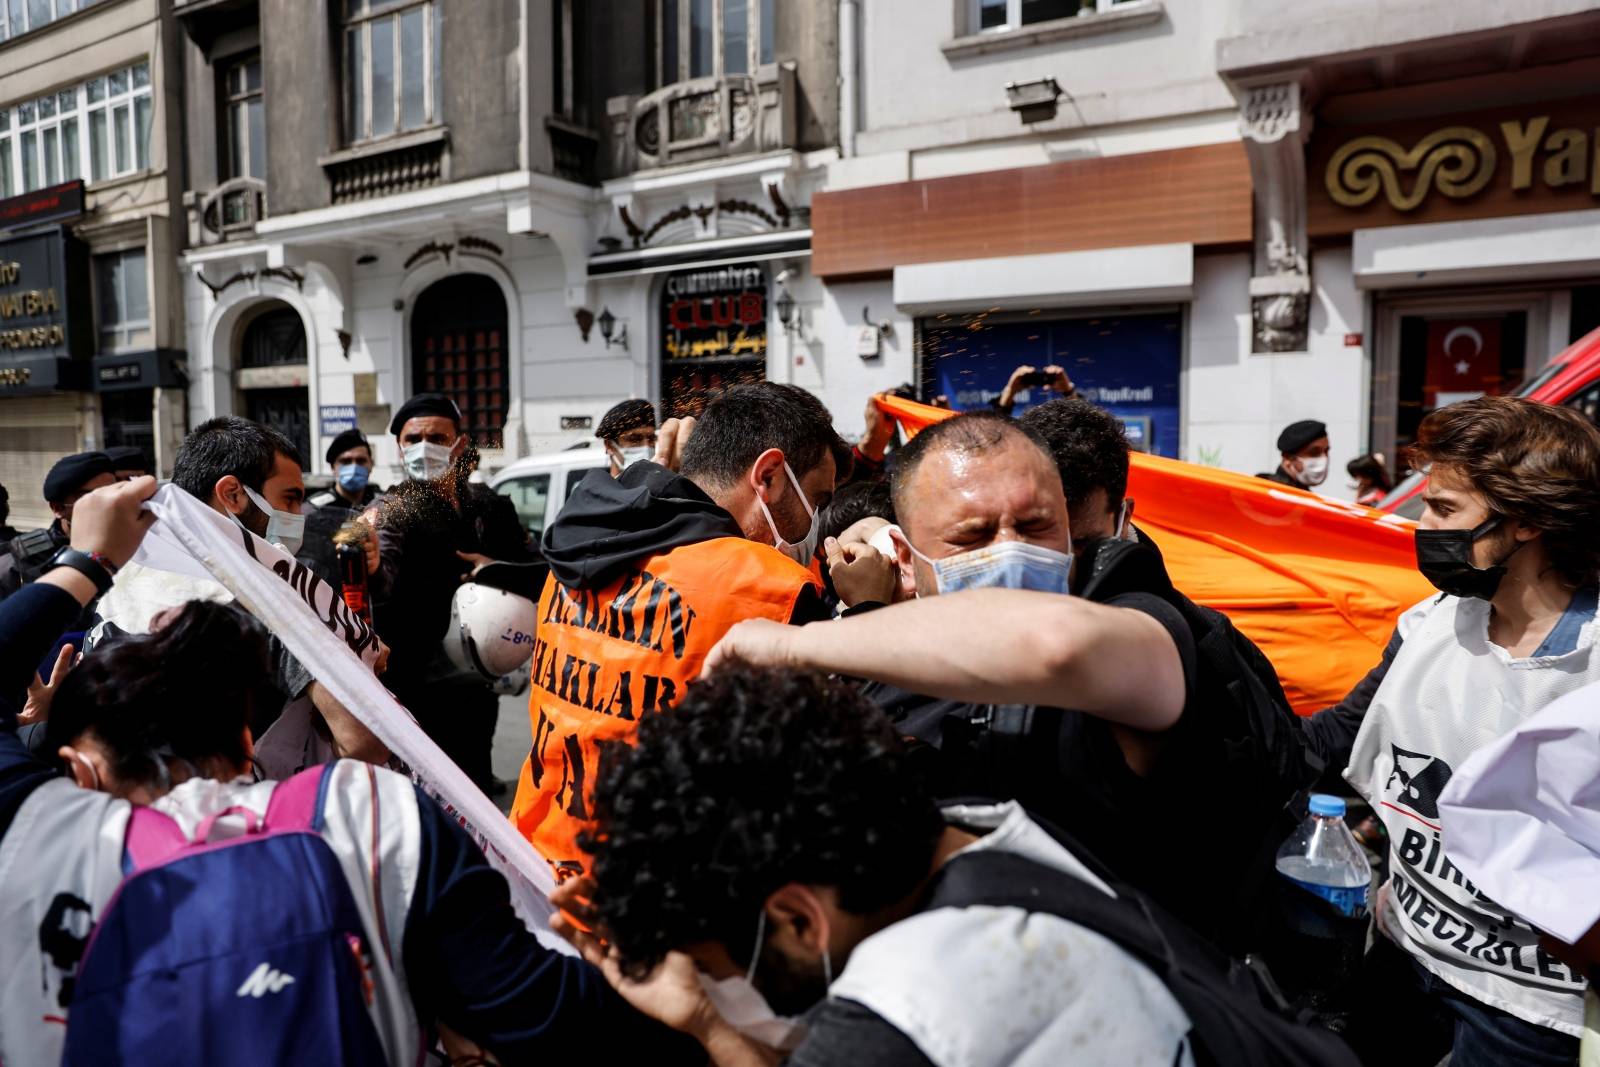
<point x="1504" y="162"/>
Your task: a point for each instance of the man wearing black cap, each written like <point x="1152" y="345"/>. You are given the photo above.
<point x="1304" y="447"/>
<point x="628" y="432"/>
<point x="26" y="555"/>
<point x="350" y="457"/>
<point x="129" y="462"/>
<point x="434" y="530"/>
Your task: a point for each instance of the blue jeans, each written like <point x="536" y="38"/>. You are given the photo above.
<point x="1412" y="1018"/>
<point x="1488" y="1037"/>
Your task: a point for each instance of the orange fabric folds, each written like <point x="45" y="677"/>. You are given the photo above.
<point x="1316" y="583"/>
<point x="605" y="658"/>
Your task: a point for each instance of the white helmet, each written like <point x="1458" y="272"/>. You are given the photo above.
<point x="491" y="631"/>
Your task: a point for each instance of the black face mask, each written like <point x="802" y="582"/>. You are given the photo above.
<point x="1445" y="558"/>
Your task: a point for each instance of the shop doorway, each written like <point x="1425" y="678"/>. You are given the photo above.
<point x="273" y="372"/>
<point x="1435" y="351"/>
<point x="1128" y="362"/>
<point x="459" y="348"/>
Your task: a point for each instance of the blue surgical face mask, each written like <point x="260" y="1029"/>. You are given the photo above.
<point x="1002" y="565"/>
<point x="353" y="477"/>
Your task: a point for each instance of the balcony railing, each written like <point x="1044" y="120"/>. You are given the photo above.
<point x="398" y="165"/>
<point x="572" y="149"/>
<point x="705" y="118"/>
<point x="226" y="213"/>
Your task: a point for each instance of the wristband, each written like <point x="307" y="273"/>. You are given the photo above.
<point x="92" y="565"/>
<point x="104" y="561"/>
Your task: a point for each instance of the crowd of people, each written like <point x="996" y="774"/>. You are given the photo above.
<point x="906" y="751"/>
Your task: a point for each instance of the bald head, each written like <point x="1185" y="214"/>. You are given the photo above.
<point x="970" y="482"/>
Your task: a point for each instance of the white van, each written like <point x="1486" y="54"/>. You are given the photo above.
<point x="539" y="485"/>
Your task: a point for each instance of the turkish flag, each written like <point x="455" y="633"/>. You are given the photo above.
<point x="1463" y="358"/>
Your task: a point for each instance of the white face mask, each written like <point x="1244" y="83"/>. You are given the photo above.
<point x="627" y="457"/>
<point x="425" y="461"/>
<point x="742" y="1006"/>
<point x="1125" y="530"/>
<point x="284" y="529"/>
<point x="1313" y="470"/>
<point x="1002" y="565"/>
<point x="802" y="551"/>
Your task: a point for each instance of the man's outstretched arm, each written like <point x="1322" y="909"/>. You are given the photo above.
<point x="991" y="646"/>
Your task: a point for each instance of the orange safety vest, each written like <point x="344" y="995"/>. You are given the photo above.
<point x="603" y="659"/>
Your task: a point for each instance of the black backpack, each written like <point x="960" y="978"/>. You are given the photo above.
<point x="1265" y="758"/>
<point x="1237" y="1020"/>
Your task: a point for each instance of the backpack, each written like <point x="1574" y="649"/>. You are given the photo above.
<point x="1233" y="1023"/>
<point x="244" y="951"/>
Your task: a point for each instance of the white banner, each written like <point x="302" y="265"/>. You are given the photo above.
<point x="337" y="647"/>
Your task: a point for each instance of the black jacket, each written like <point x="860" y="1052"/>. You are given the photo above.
<point x="609" y="523"/>
<point x="419" y="534"/>
<point x="1278" y="475"/>
<point x="1070" y="767"/>
<point x="325" y="513"/>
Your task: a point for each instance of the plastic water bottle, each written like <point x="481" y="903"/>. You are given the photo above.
<point x="1323" y="858"/>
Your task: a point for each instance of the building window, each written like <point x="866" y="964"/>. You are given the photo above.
<point x="700" y="38"/>
<point x="274" y="338"/>
<point x="247" y="128"/>
<point x="17" y="17"/>
<point x="104" y="122"/>
<point x="990" y="15"/>
<point x="391" y="64"/>
<point x="121" y="288"/>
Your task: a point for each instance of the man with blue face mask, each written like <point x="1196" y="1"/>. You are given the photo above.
<point x="349" y="459"/>
<point x="991" y="653"/>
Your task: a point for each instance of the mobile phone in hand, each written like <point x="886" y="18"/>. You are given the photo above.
<point x="1038" y="377"/>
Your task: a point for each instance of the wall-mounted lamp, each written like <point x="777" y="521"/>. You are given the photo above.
<point x="785" y="307"/>
<point x="608" y="323"/>
<point x="1034" y="101"/>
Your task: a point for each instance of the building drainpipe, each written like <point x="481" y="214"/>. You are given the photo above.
<point x="849" y="39"/>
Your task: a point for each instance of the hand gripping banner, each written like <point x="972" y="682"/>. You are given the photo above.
<point x="338" y="649"/>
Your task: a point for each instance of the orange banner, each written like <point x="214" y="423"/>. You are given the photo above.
<point x="1316" y="583"/>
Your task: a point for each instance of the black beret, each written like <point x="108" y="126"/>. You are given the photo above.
<point x="628" y="415"/>
<point x="69" y="474"/>
<point x="128" y="458"/>
<point x="350" y="439"/>
<point x="1297" y="435"/>
<point x="425" y="404"/>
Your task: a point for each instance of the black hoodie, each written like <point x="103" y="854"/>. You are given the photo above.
<point x="608" y="524"/>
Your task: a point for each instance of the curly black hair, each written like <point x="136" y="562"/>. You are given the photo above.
<point x="1090" y="448"/>
<point x="186" y="691"/>
<point x="758" y="778"/>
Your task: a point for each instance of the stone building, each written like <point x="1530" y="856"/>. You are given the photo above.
<point x="91" y="319"/>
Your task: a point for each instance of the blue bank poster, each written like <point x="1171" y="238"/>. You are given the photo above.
<point x="1128" y="364"/>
